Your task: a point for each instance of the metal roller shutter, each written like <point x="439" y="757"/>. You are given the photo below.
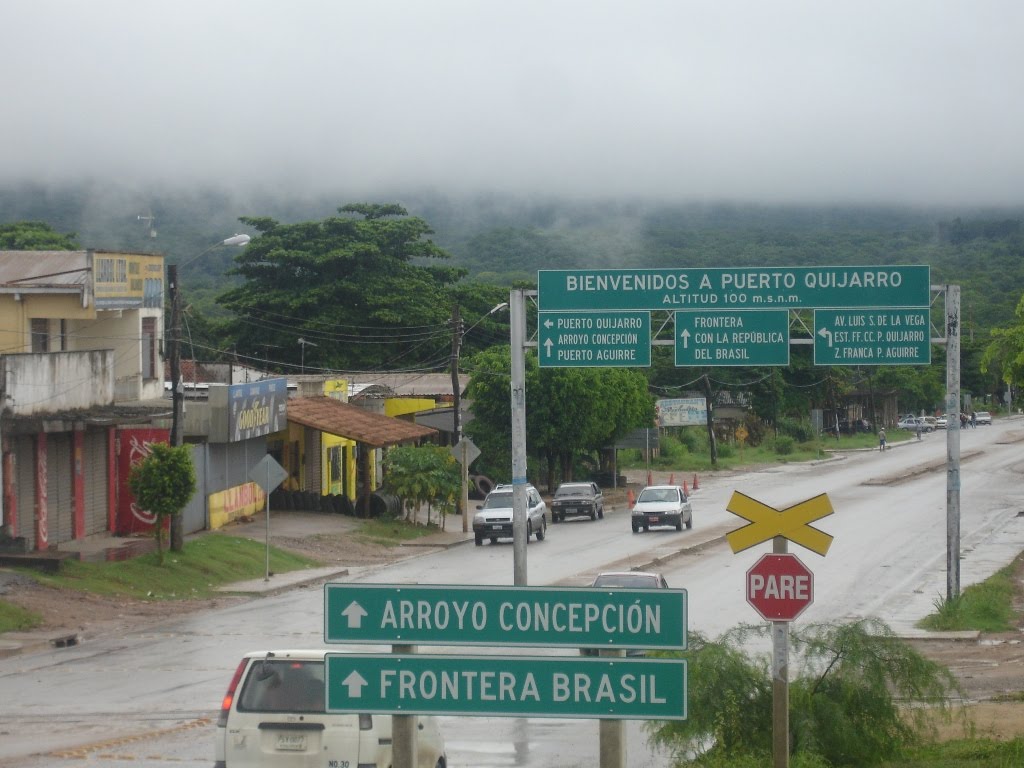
<point x="313" y="459"/>
<point x="60" y="497"/>
<point x="95" y="473"/>
<point x="25" y="487"/>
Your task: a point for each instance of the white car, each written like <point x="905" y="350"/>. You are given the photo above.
<point x="273" y="716"/>
<point x="983" y="417"/>
<point x="913" y="423"/>
<point x="661" y="505"/>
<point x="494" y="519"/>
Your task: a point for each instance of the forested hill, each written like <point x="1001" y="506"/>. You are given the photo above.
<point x="503" y="240"/>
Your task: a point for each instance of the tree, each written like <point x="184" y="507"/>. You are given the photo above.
<point x="34" y="236"/>
<point x="163" y="483"/>
<point x="360" y="286"/>
<point x="569" y="411"/>
<point x="855" y="701"/>
<point x="1004" y="354"/>
<point x="426" y="475"/>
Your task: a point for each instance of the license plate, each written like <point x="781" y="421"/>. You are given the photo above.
<point x="654" y="519"/>
<point x="495" y="527"/>
<point x="291" y="742"/>
<point x="570" y="510"/>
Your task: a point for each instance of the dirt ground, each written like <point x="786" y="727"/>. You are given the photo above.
<point x="990" y="669"/>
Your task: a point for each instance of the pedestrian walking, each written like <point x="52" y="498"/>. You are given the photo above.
<point x="974" y="419"/>
<point x="918" y="429"/>
<point x="881" y="439"/>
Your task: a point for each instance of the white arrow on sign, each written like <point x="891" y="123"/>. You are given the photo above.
<point x="355" y="613"/>
<point x="685" y="336"/>
<point x="825" y="333"/>
<point x="548" y="323"/>
<point x="354" y="682"/>
<point x="548" y="345"/>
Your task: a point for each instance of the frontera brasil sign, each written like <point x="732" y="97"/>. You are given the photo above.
<point x="738" y="288"/>
<point x="550" y="686"/>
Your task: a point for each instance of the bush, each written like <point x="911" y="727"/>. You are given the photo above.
<point x="801" y="430"/>
<point x="852" y="702"/>
<point x="784" y="445"/>
<point x="694" y="438"/>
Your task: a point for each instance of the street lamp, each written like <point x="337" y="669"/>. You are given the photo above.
<point x="177" y="390"/>
<point x="304" y="343"/>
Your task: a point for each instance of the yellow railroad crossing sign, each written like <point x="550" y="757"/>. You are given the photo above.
<point x="791" y="523"/>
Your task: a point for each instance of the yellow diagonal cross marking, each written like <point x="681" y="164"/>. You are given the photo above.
<point x="767" y="523"/>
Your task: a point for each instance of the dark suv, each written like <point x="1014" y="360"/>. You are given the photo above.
<point x="572" y="499"/>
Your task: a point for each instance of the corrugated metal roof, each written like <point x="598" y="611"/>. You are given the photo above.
<point x="406" y="384"/>
<point x="353" y="422"/>
<point x="38" y="269"/>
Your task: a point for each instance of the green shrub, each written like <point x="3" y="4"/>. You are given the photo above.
<point x="854" y="700"/>
<point x="672" y="447"/>
<point x="784" y="445"/>
<point x="694" y="438"/>
<point x="726" y="451"/>
<point x="801" y="430"/>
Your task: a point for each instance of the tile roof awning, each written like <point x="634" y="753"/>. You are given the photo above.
<point x="353" y="422"/>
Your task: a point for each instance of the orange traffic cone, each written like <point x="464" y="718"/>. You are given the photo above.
<point x="672" y="479"/>
<point x="630" y="501"/>
<point x="686" y="491"/>
<point x="695" y="486"/>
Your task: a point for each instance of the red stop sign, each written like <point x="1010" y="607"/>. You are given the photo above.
<point x="780" y="587"/>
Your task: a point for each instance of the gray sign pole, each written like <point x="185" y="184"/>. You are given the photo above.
<point x="517" y="312"/>
<point x="780" y="679"/>
<point x="403" y="729"/>
<point x="952" y="442"/>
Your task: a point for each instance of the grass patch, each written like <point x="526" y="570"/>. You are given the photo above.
<point x="964" y="753"/>
<point x="16" y="619"/>
<point x="393" y="532"/>
<point x="987" y="606"/>
<point x="205" y="563"/>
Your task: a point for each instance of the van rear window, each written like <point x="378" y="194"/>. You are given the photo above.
<point x="283" y="685"/>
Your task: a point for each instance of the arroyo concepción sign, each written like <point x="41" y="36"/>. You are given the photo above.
<point x="432" y="614"/>
<point x="734" y="288"/>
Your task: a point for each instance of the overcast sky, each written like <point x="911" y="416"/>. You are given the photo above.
<point x="906" y="101"/>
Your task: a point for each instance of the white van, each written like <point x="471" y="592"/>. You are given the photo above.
<point x="273" y="715"/>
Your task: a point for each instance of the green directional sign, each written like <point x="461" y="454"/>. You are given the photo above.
<point x="732" y="337"/>
<point x="734" y="288"/>
<point x="593" y="339"/>
<point x="872" y="337"/>
<point x="587" y="617"/>
<point x="548" y="686"/>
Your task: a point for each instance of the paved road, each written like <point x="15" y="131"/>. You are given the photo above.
<point x="151" y="695"/>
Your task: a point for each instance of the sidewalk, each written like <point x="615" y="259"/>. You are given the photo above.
<point x="285" y="524"/>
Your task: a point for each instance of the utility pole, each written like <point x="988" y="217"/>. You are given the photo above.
<point x="457" y="331"/>
<point x="177" y="542"/>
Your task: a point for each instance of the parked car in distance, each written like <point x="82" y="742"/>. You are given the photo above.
<point x="661" y="505"/>
<point x="273" y="714"/>
<point x="630" y="580"/>
<point x="626" y="580"/>
<point x="494" y="519"/>
<point x="931" y="422"/>
<point x="940" y="422"/>
<point x="911" y="423"/>
<point x="574" y="499"/>
<point x="983" y="417"/>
